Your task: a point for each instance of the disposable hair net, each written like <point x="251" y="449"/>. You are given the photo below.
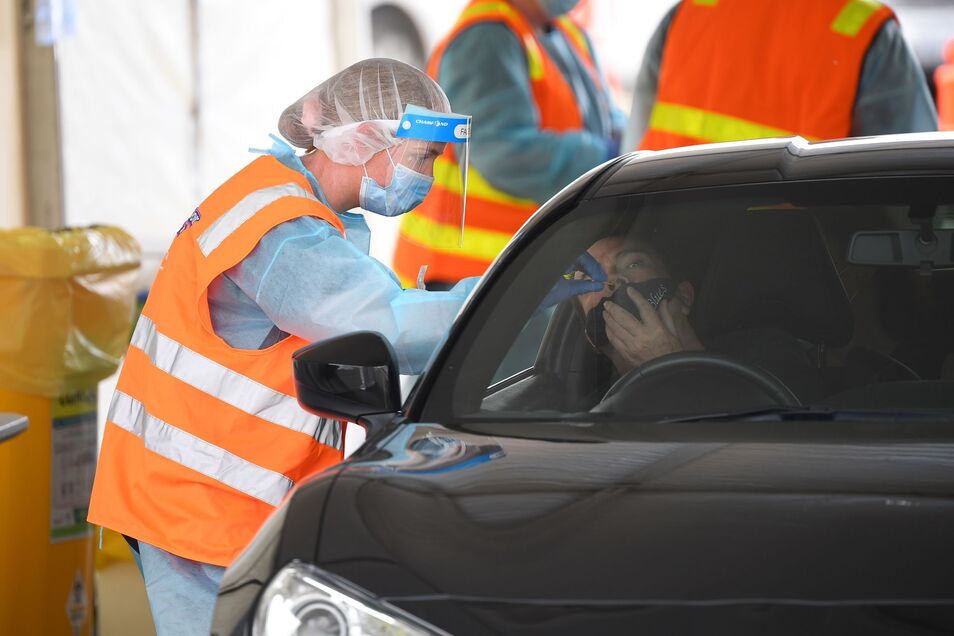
<point x="375" y="90"/>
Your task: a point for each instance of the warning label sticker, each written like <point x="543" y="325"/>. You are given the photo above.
<point x="76" y="604"/>
<point x="73" y="465"/>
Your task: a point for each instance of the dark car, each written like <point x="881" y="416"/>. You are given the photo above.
<point x="767" y="449"/>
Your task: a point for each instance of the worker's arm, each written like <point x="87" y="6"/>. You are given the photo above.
<point x="647" y="81"/>
<point x="484" y="73"/>
<point x="893" y="96"/>
<point x="312" y="283"/>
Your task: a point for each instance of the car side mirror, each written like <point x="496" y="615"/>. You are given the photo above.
<point x="11" y="425"/>
<point x="348" y="377"/>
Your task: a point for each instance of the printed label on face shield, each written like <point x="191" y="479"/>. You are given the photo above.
<point x="427" y="125"/>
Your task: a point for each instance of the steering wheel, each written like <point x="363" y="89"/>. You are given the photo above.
<point x="729" y="375"/>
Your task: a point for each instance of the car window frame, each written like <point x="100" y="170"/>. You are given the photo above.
<point x="451" y="376"/>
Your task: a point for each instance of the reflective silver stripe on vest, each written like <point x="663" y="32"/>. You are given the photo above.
<point x="230" y="387"/>
<point x="245" y="209"/>
<point x="197" y="454"/>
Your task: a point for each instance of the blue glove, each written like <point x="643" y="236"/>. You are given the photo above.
<point x="568" y="287"/>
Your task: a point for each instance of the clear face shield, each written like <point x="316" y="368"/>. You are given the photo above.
<point x="438" y="145"/>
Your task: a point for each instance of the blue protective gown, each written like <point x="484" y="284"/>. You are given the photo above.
<point x="484" y="73"/>
<point x="892" y="97"/>
<point x="304" y="279"/>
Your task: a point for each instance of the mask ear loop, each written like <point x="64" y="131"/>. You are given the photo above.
<point x="364" y="166"/>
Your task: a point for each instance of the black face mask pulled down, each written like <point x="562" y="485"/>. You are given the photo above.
<point x="654" y="290"/>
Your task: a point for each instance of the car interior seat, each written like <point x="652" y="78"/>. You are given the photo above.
<point x="917" y="313"/>
<point x="772" y="297"/>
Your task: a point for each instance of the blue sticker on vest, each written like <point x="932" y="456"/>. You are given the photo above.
<point x="427" y="125"/>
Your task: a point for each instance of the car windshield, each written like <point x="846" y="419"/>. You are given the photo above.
<point x="809" y="298"/>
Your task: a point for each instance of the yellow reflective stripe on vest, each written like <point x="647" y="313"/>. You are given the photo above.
<point x="442" y="237"/>
<point x="482" y="9"/>
<point x="577" y="35"/>
<point x="706" y="125"/>
<point x="197" y="454"/>
<point x="853" y="16"/>
<point x="447" y="174"/>
<point x="222" y="227"/>
<point x="706" y="3"/>
<point x="534" y="58"/>
<point x="493" y="9"/>
<point x="230" y="387"/>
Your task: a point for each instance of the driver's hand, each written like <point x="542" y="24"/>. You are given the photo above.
<point x="675" y="315"/>
<point x="662" y="331"/>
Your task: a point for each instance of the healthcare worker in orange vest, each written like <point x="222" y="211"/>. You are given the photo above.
<point x="725" y="70"/>
<point x="544" y="114"/>
<point x="204" y="436"/>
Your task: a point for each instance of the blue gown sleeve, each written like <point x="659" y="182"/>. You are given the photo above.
<point x="314" y="284"/>
<point x="647" y="82"/>
<point x="484" y="73"/>
<point x="893" y="96"/>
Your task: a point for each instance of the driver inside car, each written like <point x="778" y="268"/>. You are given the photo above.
<point x="641" y="313"/>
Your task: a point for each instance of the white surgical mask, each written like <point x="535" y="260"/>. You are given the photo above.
<point x="405" y="192"/>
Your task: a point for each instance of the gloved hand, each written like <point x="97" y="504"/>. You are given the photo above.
<point x="568" y="286"/>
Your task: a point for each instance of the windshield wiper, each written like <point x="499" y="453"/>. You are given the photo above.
<point x="814" y="414"/>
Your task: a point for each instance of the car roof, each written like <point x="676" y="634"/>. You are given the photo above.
<point x="776" y="160"/>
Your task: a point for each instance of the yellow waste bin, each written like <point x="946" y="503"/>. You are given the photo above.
<point x="66" y="303"/>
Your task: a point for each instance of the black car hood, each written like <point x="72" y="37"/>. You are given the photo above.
<point x="441" y="515"/>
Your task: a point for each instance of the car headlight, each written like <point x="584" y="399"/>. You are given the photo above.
<point x="302" y="600"/>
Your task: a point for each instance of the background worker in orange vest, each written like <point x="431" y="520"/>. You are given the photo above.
<point x="544" y="114"/>
<point x="944" y="78"/>
<point x="204" y="436"/>
<point x="724" y="70"/>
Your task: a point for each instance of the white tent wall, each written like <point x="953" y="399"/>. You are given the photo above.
<point x="161" y="101"/>
<point x="12" y="179"/>
<point x="126" y="88"/>
<point x="255" y="58"/>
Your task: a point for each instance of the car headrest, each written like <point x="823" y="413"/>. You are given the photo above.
<point x="773" y="269"/>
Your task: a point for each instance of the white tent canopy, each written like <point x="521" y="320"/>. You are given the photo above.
<point x="161" y="101"/>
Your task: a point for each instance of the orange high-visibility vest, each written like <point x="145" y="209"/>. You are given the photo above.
<point x="944" y="81"/>
<point x="427" y="236"/>
<point x="747" y="69"/>
<point x="203" y="440"/>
